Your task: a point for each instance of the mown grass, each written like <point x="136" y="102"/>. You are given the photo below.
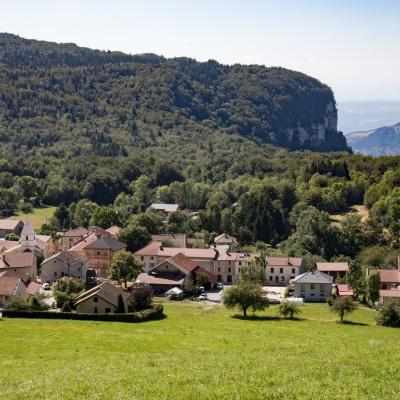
<point x="201" y="352"/>
<point x="38" y="217"/>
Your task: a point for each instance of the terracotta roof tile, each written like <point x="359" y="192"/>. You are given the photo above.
<point x="332" y="266"/>
<point x="284" y="261"/>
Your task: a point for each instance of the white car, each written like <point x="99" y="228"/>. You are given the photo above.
<point x="203" y="296"/>
<point x="46" y="286"/>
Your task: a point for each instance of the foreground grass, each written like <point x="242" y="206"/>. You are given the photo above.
<point x="201" y="352"/>
<point x="38" y="217"/>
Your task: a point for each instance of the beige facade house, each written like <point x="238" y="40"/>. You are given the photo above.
<point x="10" y="226"/>
<point x="225" y="239"/>
<point x="334" y="269"/>
<point x="102" y="299"/>
<point x="281" y="270"/>
<point x="10" y="286"/>
<point x="73" y="236"/>
<point x="313" y="286"/>
<point x="20" y="263"/>
<point x="389" y="296"/>
<point x="64" y="263"/>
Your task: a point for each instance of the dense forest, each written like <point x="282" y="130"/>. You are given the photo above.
<point x="101" y="135"/>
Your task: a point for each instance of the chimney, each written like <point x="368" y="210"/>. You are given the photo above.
<point x="161" y="247"/>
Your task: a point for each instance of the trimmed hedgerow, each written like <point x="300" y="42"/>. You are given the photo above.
<point x="150" y="314"/>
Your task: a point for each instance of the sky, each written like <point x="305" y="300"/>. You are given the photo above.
<point x="351" y="45"/>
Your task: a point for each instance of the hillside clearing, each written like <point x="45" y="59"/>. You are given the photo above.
<point x="358" y="209"/>
<point x="38" y="217"/>
<point x="204" y="353"/>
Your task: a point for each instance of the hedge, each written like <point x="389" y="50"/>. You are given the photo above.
<point x="150" y="314"/>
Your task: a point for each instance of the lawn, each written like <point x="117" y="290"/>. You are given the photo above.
<point x="201" y="352"/>
<point x="38" y="217"/>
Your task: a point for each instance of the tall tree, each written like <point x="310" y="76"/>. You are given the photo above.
<point x="124" y="267"/>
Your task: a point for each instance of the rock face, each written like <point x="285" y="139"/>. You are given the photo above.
<point x="91" y="88"/>
<point x="383" y="141"/>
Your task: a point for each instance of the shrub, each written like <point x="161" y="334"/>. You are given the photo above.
<point x="141" y="296"/>
<point x="389" y="315"/>
<point x="287" y="308"/>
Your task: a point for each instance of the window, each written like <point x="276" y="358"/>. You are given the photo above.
<point x="293" y="271"/>
<point x="229" y="278"/>
<point x="292" y="277"/>
<point x="108" y="310"/>
<point x="281" y="270"/>
<point x="98" y="253"/>
<point x="151" y="258"/>
<point x="95" y="310"/>
<point x="271" y="278"/>
<point x="219" y="269"/>
<point x="229" y="262"/>
<point x="272" y="270"/>
<point x="229" y="269"/>
<point x="95" y="299"/>
<point x="282" y="278"/>
<point x="79" y="269"/>
<point x="142" y="258"/>
<point x="239" y="270"/>
<point x="55" y="273"/>
<point x="311" y="294"/>
<point x="312" y="286"/>
<point x="240" y="263"/>
<point x="152" y="265"/>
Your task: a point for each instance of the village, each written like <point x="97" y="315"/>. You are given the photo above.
<point x="171" y="265"/>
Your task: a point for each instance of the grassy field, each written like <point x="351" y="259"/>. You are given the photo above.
<point x="37" y="217"/>
<point x="201" y="352"/>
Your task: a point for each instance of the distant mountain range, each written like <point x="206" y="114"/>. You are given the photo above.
<point x="383" y="141"/>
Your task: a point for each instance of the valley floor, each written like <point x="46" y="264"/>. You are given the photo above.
<point x="201" y="352"/>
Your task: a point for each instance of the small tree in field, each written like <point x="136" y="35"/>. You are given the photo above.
<point x="124" y="267"/>
<point x="120" y="305"/>
<point x="245" y="295"/>
<point x="287" y="308"/>
<point x="342" y="306"/>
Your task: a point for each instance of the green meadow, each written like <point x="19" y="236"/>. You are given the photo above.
<point x="202" y="352"/>
<point x="38" y="217"/>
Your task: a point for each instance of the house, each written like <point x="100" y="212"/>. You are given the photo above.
<point x="389" y="296"/>
<point x="155" y="253"/>
<point x="114" y="231"/>
<point x="334" y="269"/>
<point x="175" y="239"/>
<point x="173" y="272"/>
<point x="343" y="290"/>
<point x="33" y="289"/>
<point x="10" y="226"/>
<point x="228" y="264"/>
<point x="102" y="299"/>
<point x="47" y="244"/>
<point x="20" y="263"/>
<point x="98" y="249"/>
<point x="390" y="278"/>
<point x="313" y="286"/>
<point x="281" y="270"/>
<point x="64" y="263"/>
<point x="225" y="239"/>
<point x="10" y="286"/>
<point x="219" y="260"/>
<point x="164" y="209"/>
<point x="73" y="236"/>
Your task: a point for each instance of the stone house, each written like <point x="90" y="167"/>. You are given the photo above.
<point x="20" y="263"/>
<point x="10" y="286"/>
<point x="73" y="236"/>
<point x="10" y="226"/>
<point x="334" y="269"/>
<point x="280" y="270"/>
<point x="102" y="299"/>
<point x="64" y="263"/>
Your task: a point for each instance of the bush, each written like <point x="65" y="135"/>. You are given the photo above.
<point x="22" y="303"/>
<point x="287" y="308"/>
<point x="151" y="314"/>
<point x="11" y="236"/>
<point x="140" y="298"/>
<point x="389" y="315"/>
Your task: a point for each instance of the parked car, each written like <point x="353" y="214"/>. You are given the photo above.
<point x="203" y="296"/>
<point x="46" y="286"/>
<point x="219" y="286"/>
<point x="274" y="301"/>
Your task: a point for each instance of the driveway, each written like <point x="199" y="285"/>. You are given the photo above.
<point x="49" y="298"/>
<point x="275" y="292"/>
<point x="215" y="297"/>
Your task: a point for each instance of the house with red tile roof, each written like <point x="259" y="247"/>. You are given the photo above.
<point x="390" y="278"/>
<point x="389" y="296"/>
<point x="10" y="226"/>
<point x="173" y="272"/>
<point x="280" y="270"/>
<point x="20" y="263"/>
<point x="344" y="290"/>
<point x="33" y="289"/>
<point x="10" y="286"/>
<point x="334" y="269"/>
<point x="73" y="237"/>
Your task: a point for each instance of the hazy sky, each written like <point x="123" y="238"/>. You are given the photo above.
<point x="353" y="45"/>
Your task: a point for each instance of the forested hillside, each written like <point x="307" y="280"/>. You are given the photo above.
<point x="104" y="134"/>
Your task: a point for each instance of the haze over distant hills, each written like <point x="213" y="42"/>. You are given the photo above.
<point x="383" y="141"/>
